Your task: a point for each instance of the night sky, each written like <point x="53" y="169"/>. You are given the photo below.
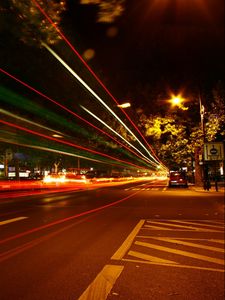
<point x="154" y="47"/>
<point x="154" y="44"/>
<point x="175" y="43"/>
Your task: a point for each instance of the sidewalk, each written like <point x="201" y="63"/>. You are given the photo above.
<point x="221" y="189"/>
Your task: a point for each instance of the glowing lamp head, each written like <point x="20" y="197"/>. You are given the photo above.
<point x="124" y="105"/>
<point x="178" y="100"/>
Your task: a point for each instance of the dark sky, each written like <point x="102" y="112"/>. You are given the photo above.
<point x="158" y="44"/>
<point x="171" y="41"/>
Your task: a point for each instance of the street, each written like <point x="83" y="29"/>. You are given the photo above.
<point x="131" y="241"/>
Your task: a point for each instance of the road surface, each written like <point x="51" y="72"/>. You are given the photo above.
<point x="130" y="241"/>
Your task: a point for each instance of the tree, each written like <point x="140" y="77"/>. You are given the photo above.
<point x="28" y="23"/>
<point x="215" y="128"/>
<point x="177" y="138"/>
<point x="168" y="137"/>
<point x="108" y="11"/>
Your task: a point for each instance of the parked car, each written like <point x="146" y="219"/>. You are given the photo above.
<point x="178" y="178"/>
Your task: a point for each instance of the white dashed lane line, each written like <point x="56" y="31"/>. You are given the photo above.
<point x="12" y="220"/>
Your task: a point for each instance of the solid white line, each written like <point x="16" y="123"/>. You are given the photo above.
<point x="173" y="265"/>
<point x="128" y="242"/>
<point x="214" y="221"/>
<point x="102" y="284"/>
<point x="194" y="245"/>
<point x="200" y="224"/>
<point x="184" y="238"/>
<point x="181" y="252"/>
<point x="151" y="258"/>
<point x="149" y="227"/>
<point x="169" y="225"/>
<point x="12" y="220"/>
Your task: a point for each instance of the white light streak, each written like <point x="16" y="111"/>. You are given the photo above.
<point x="93" y="115"/>
<point x="5" y="112"/>
<point x="96" y="96"/>
<point x="52" y="150"/>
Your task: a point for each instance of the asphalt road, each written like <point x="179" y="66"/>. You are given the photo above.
<point x="133" y="241"/>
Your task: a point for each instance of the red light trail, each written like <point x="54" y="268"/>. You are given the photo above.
<point x="68" y="143"/>
<point x="93" y="73"/>
<point x="60" y="221"/>
<point x="68" y="110"/>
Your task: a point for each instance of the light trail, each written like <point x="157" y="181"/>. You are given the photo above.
<point x="95" y="95"/>
<point x="70" y="111"/>
<point x="61" y="221"/>
<point x="50" y="150"/>
<point x="96" y="77"/>
<point x="69" y="144"/>
<point x="110" y="128"/>
<point x="5" y="112"/>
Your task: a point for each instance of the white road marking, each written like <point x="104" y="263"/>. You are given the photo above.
<point x="199" y="246"/>
<point x="100" y="288"/>
<point x="172" y="265"/>
<point x="128" y="242"/>
<point x="184" y="238"/>
<point x="214" y="221"/>
<point x="156" y="227"/>
<point x="144" y="258"/>
<point x="188" y="228"/>
<point x="150" y="258"/>
<point x="199" y="224"/>
<point x="12" y="220"/>
<point x="181" y="252"/>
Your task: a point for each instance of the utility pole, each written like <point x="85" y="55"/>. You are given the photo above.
<point x="199" y="151"/>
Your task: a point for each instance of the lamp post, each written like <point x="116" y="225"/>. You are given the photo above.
<point x="200" y="170"/>
<point x="205" y="178"/>
<point x="124" y="105"/>
<point x="202" y="113"/>
<point x="178" y="100"/>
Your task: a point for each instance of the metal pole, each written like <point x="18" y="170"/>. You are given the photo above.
<point x="202" y="112"/>
<point x="205" y="169"/>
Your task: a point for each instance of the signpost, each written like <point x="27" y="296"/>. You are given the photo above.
<point x="214" y="151"/>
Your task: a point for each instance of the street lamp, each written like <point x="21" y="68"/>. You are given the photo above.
<point x="205" y="178"/>
<point x="201" y="172"/>
<point x="178" y="100"/>
<point x="124" y="105"/>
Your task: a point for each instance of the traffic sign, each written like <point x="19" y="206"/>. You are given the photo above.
<point x="213" y="151"/>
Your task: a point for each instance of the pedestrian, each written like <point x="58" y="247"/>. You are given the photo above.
<point x="216" y="184"/>
<point x="205" y="184"/>
<point x="208" y="185"/>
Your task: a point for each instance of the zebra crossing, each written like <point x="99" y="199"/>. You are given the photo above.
<point x="190" y="244"/>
